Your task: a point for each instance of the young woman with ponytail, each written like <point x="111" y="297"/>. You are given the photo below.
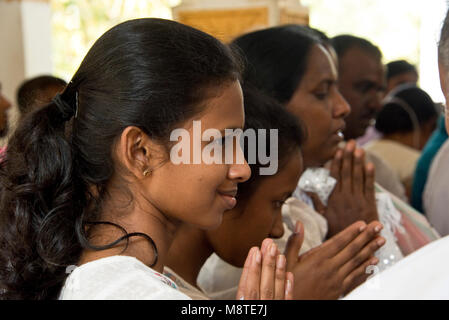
<point x="90" y="200"/>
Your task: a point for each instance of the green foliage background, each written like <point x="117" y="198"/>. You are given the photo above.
<point x="76" y="24"/>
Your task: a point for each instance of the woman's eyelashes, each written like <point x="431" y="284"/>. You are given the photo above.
<point x="320" y="95"/>
<point x="322" y="91"/>
<point x="279" y="203"/>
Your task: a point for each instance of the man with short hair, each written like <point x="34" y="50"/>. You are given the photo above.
<point x="361" y="81"/>
<point x="400" y="72"/>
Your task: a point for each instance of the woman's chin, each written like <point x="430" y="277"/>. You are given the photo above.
<point x="213" y="223"/>
<point x="319" y="159"/>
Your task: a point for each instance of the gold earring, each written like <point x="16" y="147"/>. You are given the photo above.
<point x="146" y="172"/>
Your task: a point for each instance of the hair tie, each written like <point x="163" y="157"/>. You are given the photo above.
<point x="66" y="110"/>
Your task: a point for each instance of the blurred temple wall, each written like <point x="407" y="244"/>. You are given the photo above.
<point x="227" y="19"/>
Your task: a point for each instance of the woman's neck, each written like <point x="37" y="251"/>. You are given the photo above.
<point x="188" y="253"/>
<point x="133" y="218"/>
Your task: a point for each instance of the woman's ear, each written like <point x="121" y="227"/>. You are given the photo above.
<point x="133" y="151"/>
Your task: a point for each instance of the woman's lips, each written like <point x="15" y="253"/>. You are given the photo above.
<point x="339" y="136"/>
<point x="229" y="198"/>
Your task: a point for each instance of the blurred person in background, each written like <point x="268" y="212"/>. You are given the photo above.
<point x="422" y="275"/>
<point x="362" y="84"/>
<point x="400" y="72"/>
<point x="432" y="147"/>
<point x="406" y="122"/>
<point x="38" y="92"/>
<point x="361" y="81"/>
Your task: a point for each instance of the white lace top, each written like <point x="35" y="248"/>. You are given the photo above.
<point x="118" y="278"/>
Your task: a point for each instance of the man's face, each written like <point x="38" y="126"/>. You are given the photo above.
<point x="4" y="106"/>
<point x="362" y="83"/>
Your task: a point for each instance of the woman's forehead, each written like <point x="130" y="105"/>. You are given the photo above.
<point x="320" y="66"/>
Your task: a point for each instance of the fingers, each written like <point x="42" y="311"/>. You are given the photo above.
<point x="280" y="278"/>
<point x="359" y="275"/>
<point x="249" y="284"/>
<point x="265" y="244"/>
<point x="354" y="247"/>
<point x="269" y="272"/>
<point x="265" y="277"/>
<point x="293" y="246"/>
<point x="289" y="282"/>
<point x="369" y="188"/>
<point x="358" y="183"/>
<point x="346" y="167"/>
<point x="365" y="254"/>
<point x="338" y="242"/>
<point x="336" y="166"/>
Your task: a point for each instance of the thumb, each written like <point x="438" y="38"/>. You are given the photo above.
<point x="318" y="205"/>
<point x="293" y="246"/>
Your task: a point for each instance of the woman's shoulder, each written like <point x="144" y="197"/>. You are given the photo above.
<point x="185" y="287"/>
<point x="118" y="277"/>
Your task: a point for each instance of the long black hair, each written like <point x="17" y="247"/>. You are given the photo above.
<point x="148" y="73"/>
<point x="276" y="58"/>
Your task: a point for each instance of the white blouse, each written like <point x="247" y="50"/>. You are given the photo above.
<point x="118" y="278"/>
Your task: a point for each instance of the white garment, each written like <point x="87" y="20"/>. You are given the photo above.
<point x="435" y="196"/>
<point x="220" y="279"/>
<point x="399" y="157"/>
<point x="388" y="215"/>
<point x="118" y="278"/>
<point x="421" y="275"/>
<point x="315" y="225"/>
<point x="185" y="287"/>
<point x="386" y="176"/>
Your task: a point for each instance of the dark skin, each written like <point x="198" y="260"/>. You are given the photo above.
<point x="244" y="227"/>
<point x="154" y="212"/>
<point x="353" y="197"/>
<point x="325" y="272"/>
<point x="362" y="84"/>
<point x="197" y="188"/>
<point x="320" y="106"/>
<point x="403" y="78"/>
<point x="318" y="103"/>
<point x="337" y="266"/>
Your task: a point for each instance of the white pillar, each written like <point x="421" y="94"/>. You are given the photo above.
<point x="25" y="38"/>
